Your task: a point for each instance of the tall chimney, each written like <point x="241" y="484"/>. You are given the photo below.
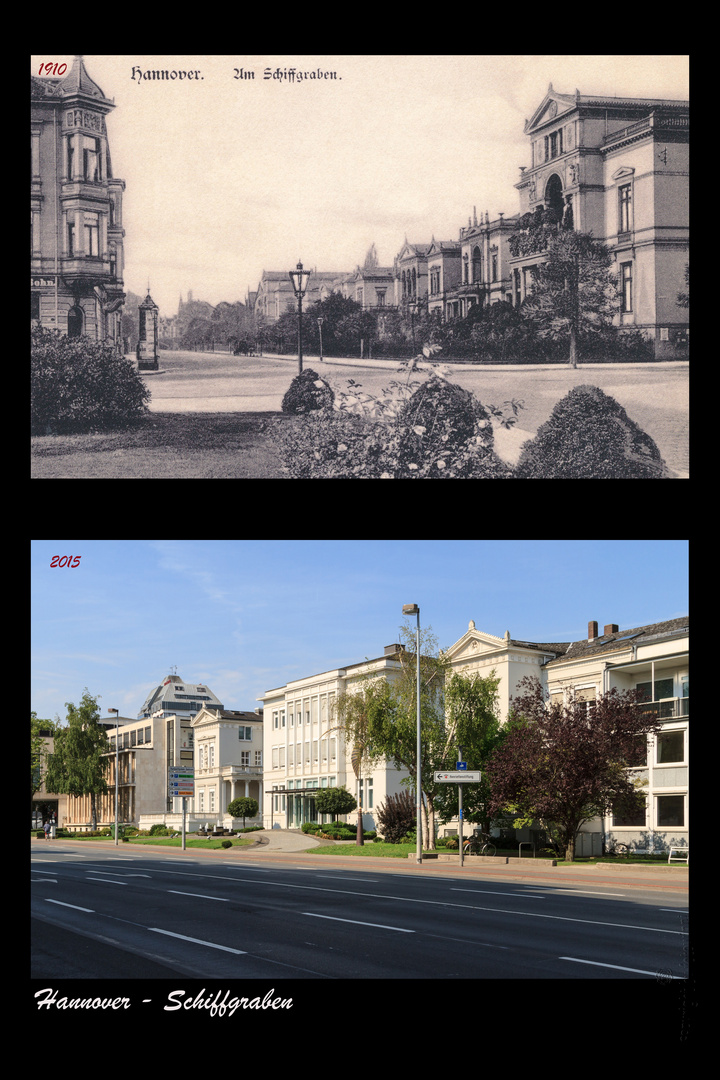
<point x="592" y="631"/>
<point x="611" y="628"/>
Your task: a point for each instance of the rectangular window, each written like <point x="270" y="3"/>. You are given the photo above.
<point x="671" y="811"/>
<point x="244" y="757"/>
<point x="670" y="747"/>
<point x="629" y="815"/>
<point x="92" y="234"/>
<point x="626" y="282"/>
<point x="625" y="207"/>
<point x="663" y="688"/>
<point x="71" y="237"/>
<point x="91" y="159"/>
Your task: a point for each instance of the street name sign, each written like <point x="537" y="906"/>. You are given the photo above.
<point x="457" y="777"/>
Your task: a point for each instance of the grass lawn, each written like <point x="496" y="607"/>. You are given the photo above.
<point x="190" y="842"/>
<point x="164" y="445"/>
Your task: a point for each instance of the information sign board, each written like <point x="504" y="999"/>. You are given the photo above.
<point x="457" y="777"/>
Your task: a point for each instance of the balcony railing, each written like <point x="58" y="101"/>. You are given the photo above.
<point x="668" y="708"/>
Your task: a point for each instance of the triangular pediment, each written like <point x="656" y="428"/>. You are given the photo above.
<point x="552" y="106"/>
<point x="475" y="643"/>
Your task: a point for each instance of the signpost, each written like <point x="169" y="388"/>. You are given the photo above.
<point x="181" y="785"/>
<point x="461" y="776"/>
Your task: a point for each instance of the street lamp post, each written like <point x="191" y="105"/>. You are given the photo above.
<point x="320" y="322"/>
<point x="413" y="609"/>
<point x="117" y="764"/>
<point x="299" y="278"/>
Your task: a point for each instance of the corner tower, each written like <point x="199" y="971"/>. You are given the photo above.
<point x="76" y="209"/>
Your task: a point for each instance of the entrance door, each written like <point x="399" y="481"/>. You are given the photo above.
<point x="75" y="322"/>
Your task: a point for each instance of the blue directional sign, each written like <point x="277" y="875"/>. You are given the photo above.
<point x="461" y="765"/>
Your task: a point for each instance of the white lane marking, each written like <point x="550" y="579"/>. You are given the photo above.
<point x="75" y="907"/>
<point x="200" y="896"/>
<point x="196" y="941"/>
<point x="616" y="967"/>
<point x="495" y="892"/>
<point x="356" y="922"/>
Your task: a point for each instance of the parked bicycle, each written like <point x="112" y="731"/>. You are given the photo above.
<point x="619" y="850"/>
<point x="479" y="844"/>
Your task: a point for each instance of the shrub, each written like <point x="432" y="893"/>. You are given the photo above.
<point x="80" y="385"/>
<point x="158" y="830"/>
<point x="417" y="428"/>
<point x="227" y="843"/>
<point x="307" y="393"/>
<point x="396" y="817"/>
<point x="590" y="436"/>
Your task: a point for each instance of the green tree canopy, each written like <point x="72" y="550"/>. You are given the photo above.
<point x="562" y="764"/>
<point x="77" y="764"/>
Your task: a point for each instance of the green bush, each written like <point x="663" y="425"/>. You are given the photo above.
<point x="590" y="436"/>
<point x="79" y="385"/>
<point x="158" y="830"/>
<point x="307" y="393"/>
<point x="227" y="843"/>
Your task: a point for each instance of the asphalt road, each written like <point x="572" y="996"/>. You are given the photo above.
<point x="103" y="914"/>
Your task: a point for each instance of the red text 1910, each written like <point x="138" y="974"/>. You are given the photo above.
<point x="52" y="69"/>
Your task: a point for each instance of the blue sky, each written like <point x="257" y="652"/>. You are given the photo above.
<point x="245" y="616"/>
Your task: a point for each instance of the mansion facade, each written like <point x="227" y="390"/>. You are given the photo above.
<point x="304" y="752"/>
<point x="76" y="210"/>
<point x="617" y="168"/>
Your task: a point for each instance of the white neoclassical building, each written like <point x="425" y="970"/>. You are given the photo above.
<point x="228" y="763"/>
<point x="652" y="658"/>
<point x="303" y="754"/>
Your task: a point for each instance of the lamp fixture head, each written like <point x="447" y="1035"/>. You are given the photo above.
<point x="299" y="278"/>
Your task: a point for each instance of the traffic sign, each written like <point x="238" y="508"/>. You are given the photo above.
<point x="181" y="782"/>
<point x="461" y="765"/>
<point x="457" y="777"/>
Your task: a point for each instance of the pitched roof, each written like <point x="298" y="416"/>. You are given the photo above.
<point x="640" y="635"/>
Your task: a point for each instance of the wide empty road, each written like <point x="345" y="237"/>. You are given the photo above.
<point x="136" y="913"/>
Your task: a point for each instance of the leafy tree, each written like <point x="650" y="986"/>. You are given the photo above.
<point x="683" y="299"/>
<point x="243" y="807"/>
<point x="574" y="293"/>
<point x="335" y="800"/>
<point x="564" y="764"/>
<point x="390" y="730"/>
<point x="39" y="730"/>
<point x="77" y="764"/>
<point x="473" y="724"/>
<point x="356" y="713"/>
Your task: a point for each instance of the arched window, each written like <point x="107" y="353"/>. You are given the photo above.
<point x="553" y="195"/>
<point x="75" y="321"/>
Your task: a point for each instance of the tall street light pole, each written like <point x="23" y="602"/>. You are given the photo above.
<point x="117" y="774"/>
<point x="413" y="609"/>
<point x="299" y="278"/>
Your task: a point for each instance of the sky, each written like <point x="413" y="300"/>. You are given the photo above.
<point x="246" y="616"/>
<point x="227" y="177"/>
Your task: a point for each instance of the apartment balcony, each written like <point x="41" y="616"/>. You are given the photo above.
<point x="668" y="708"/>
